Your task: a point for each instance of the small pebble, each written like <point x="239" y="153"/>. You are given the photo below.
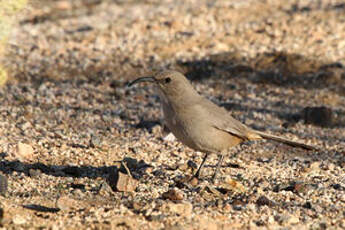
<point x="173" y="194"/>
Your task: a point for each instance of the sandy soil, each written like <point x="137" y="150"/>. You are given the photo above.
<point x="69" y="127"/>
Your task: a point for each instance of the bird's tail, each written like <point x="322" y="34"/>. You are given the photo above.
<point x="284" y="140"/>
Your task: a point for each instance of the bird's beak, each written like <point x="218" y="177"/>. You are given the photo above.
<point x="142" y="79"/>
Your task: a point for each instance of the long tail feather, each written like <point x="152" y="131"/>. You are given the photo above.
<point x="285" y="141"/>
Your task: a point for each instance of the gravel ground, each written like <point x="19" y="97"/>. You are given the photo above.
<point x="78" y="149"/>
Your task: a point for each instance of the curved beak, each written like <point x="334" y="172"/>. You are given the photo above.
<point x="142" y="79"/>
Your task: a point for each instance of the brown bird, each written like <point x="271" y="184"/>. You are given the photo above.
<point x="199" y="123"/>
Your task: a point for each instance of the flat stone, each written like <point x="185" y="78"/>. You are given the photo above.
<point x="121" y="182"/>
<point x="182" y="209"/>
<point x="24" y="151"/>
<point x="173" y="194"/>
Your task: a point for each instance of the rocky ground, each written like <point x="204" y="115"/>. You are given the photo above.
<point x="79" y="149"/>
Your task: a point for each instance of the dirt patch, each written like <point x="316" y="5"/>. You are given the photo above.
<point x="67" y="101"/>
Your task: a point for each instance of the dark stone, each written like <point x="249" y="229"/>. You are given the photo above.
<point x="3" y="184"/>
<point x="307" y="205"/>
<point x="264" y="159"/>
<point x="320" y="116"/>
<point x="238" y="205"/>
<point x="338" y="187"/>
<point x="158" y="173"/>
<point x="192" y="164"/>
<point x="264" y="201"/>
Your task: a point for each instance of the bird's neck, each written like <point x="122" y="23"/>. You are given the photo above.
<point x="180" y="100"/>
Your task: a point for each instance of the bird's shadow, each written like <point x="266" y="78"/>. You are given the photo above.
<point x="127" y="165"/>
<point x="91" y="172"/>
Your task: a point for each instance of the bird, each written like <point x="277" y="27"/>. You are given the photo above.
<point x="201" y="124"/>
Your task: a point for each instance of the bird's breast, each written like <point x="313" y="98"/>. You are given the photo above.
<point x="179" y="125"/>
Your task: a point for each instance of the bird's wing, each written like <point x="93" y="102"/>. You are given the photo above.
<point x="221" y="119"/>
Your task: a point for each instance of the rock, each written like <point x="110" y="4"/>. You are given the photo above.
<point x="182" y="209"/>
<point x="286" y="219"/>
<point x="134" y="166"/>
<point x="227" y="207"/>
<point x="124" y="222"/>
<point x="3" y="184"/>
<point x="183" y="167"/>
<point x="232" y="185"/>
<point x="307" y="205"/>
<point x="173" y="194"/>
<point x="194" y="181"/>
<point x="169" y="138"/>
<point x="302" y="188"/>
<point x="293" y="220"/>
<point x="105" y="189"/>
<point x="181" y="182"/>
<point x="19" y="220"/>
<point x="121" y="182"/>
<point x="159" y="173"/>
<point x="211" y="190"/>
<point x="24" y="151"/>
<point x="238" y="205"/>
<point x="24" y="126"/>
<point x="192" y="164"/>
<point x="312" y="169"/>
<point x="95" y="141"/>
<point x="264" y="201"/>
<point x="298" y="187"/>
<point x="318" y="226"/>
<point x="63" y="5"/>
<point x="320" y="116"/>
<point x="264" y="159"/>
<point x="126" y="183"/>
<point x="158" y="217"/>
<point x="64" y="203"/>
<point x="338" y="187"/>
<point x="137" y="205"/>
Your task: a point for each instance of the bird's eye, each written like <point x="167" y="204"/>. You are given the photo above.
<point x="167" y="80"/>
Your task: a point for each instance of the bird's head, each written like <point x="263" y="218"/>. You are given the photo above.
<point x="171" y="83"/>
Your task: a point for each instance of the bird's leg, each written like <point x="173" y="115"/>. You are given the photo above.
<point x="220" y="161"/>
<point x="197" y="174"/>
